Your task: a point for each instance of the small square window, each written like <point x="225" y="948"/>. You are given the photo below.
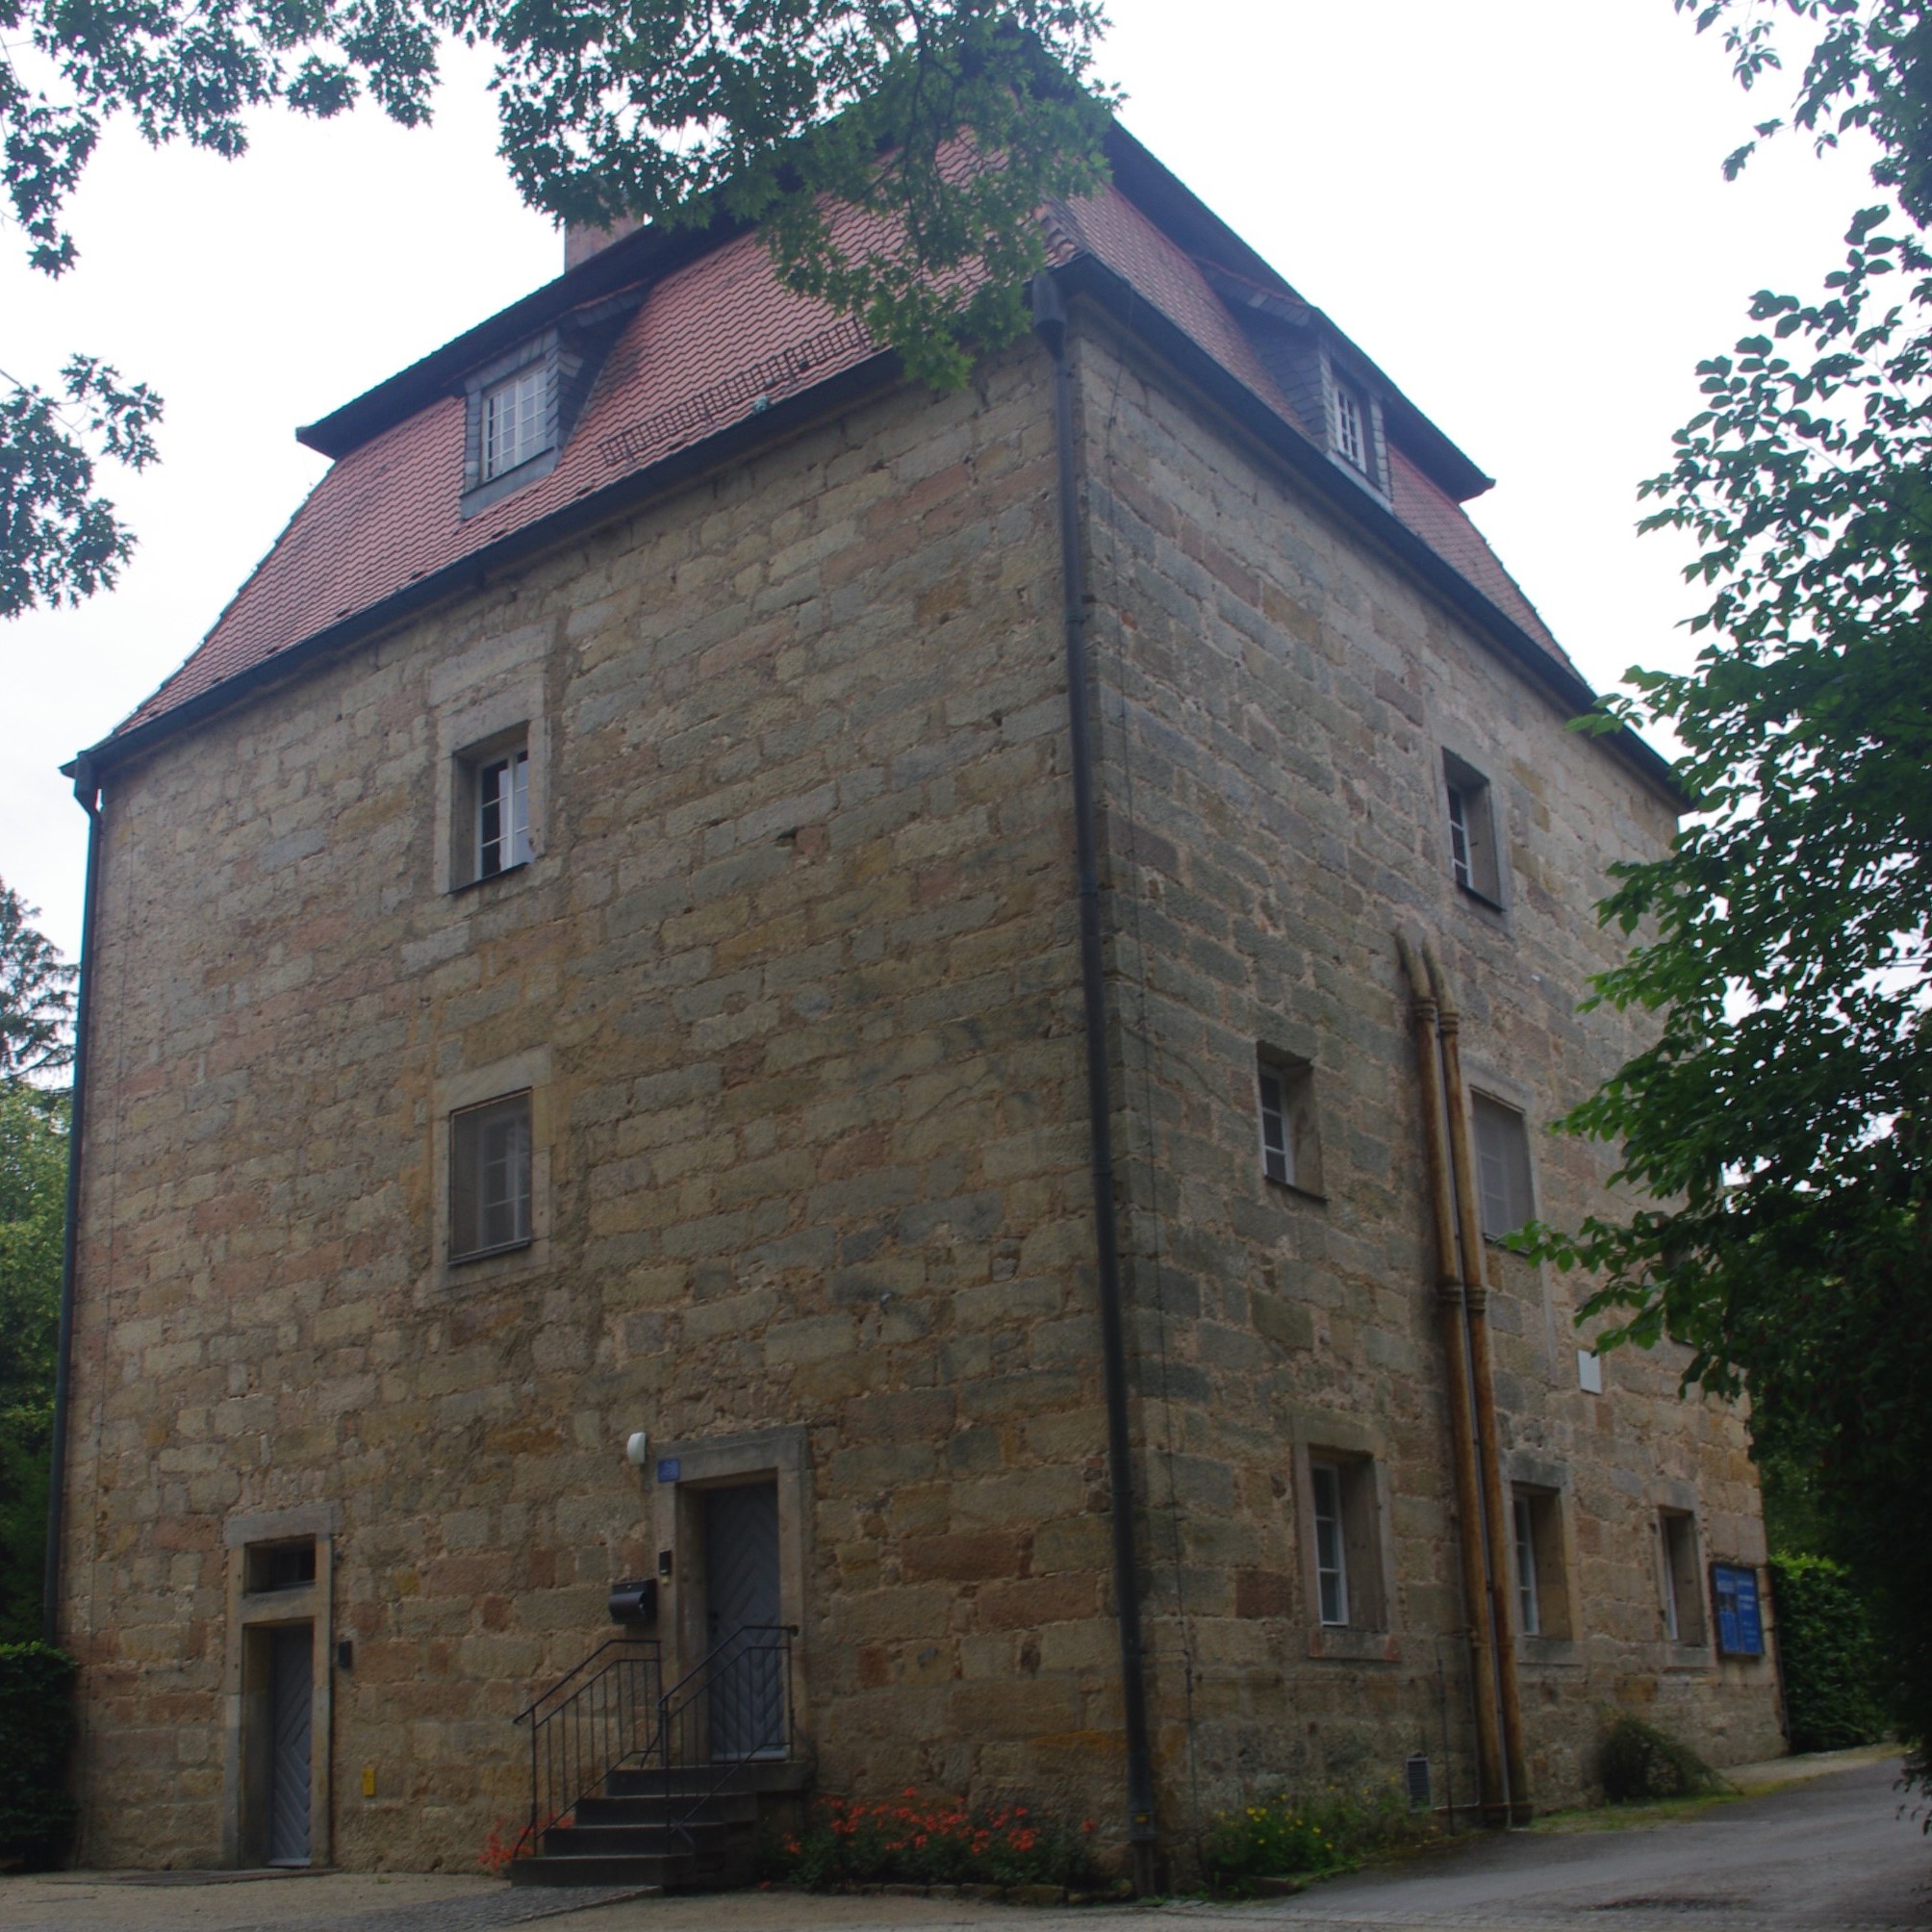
<point x="489" y="1178"/>
<point x="1502" y="1167"/>
<point x="1683" y="1602"/>
<point x="515" y="421"/>
<point x="1346" y="1538"/>
<point x="1290" y="1147"/>
<point x="490" y="817"/>
<point x="1475" y="860"/>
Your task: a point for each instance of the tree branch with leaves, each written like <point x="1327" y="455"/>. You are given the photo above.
<point x="1776" y="1131"/>
<point x="945" y="123"/>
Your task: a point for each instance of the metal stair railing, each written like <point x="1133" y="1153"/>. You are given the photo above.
<point x="579" y="1735"/>
<point x="732" y="1710"/>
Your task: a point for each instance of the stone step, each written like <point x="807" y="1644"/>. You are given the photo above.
<point x="588" y="1837"/>
<point x="760" y="1774"/>
<point x="725" y="1808"/>
<point x="681" y="1873"/>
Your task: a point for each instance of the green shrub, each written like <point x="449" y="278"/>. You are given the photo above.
<point x="36" y="1727"/>
<point x="1286" y="1837"/>
<point x="901" y="1842"/>
<point x="1637" y="1762"/>
<point x="1830" y="1659"/>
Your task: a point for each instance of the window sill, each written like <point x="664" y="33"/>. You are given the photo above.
<point x="1553" y="1653"/>
<point x="1342" y="1643"/>
<point x="1296" y="1189"/>
<point x="508" y="483"/>
<point x="1481" y="898"/>
<point x="493" y="1254"/>
<point x="493" y="878"/>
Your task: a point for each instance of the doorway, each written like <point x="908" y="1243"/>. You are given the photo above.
<point x="291" y="1674"/>
<point x="742" y="1616"/>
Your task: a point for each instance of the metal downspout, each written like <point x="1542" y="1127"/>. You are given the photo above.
<point x="1491" y="1795"/>
<point x="1049" y="322"/>
<point x="86" y="789"/>
<point x="1476" y="1308"/>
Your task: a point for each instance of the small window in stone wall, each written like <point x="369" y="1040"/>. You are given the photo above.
<point x="1475" y="850"/>
<point x="1678" y="1577"/>
<point x="1542" y="1590"/>
<point x="280" y="1565"/>
<point x="1290" y="1144"/>
<point x="1502" y="1167"/>
<point x="490" y="815"/>
<point x="489" y="1178"/>
<point x="1345" y="1542"/>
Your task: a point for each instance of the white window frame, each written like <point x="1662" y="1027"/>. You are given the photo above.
<point x="492" y="1179"/>
<point x="1475" y="842"/>
<point x="1529" y="1602"/>
<point x="516" y="426"/>
<point x="1331" y="1544"/>
<point x="1284" y="1107"/>
<point x="503" y="812"/>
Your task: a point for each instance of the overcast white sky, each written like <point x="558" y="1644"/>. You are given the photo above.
<point x="1514" y="206"/>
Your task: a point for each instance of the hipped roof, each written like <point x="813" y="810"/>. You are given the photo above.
<point x="717" y="357"/>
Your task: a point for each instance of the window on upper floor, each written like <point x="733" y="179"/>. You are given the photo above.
<point x="489" y="1178"/>
<point x="1290" y="1147"/>
<point x="1475" y="853"/>
<point x="490" y="815"/>
<point x="515" y="420"/>
<point x="1502" y="1167"/>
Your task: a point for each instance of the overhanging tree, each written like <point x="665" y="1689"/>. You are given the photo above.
<point x="1779" y="1126"/>
<point x="948" y="121"/>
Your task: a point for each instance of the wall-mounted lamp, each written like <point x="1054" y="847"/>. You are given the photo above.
<point x="637" y="1450"/>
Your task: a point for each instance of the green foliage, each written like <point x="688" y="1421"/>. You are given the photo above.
<point x="939" y="126"/>
<point x="1777" y="1129"/>
<point x="1286" y="1837"/>
<point x="36" y="1728"/>
<point x="61" y="541"/>
<point x="1830" y="1661"/>
<point x="901" y="1841"/>
<point x="37" y="1000"/>
<point x="1636" y="1762"/>
<point x="33" y="1205"/>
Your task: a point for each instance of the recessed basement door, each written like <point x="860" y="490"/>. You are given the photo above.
<point x="291" y="1710"/>
<point x="747" y="1694"/>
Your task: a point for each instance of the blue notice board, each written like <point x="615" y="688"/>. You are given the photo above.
<point x="1740" y="1618"/>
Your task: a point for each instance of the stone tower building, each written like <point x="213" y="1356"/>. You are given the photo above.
<point x="593" y="946"/>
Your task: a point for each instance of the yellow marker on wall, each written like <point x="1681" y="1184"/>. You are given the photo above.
<point x="368" y="1781"/>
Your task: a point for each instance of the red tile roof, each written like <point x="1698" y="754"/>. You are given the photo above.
<point x="713" y="340"/>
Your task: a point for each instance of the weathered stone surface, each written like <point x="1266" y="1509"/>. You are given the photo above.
<point x="793" y="981"/>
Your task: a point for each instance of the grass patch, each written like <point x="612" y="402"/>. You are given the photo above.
<point x="1312" y="1836"/>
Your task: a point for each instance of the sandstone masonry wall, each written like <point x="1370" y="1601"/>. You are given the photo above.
<point x="1276" y="695"/>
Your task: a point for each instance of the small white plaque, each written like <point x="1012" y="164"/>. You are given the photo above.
<point x="1589" y="1371"/>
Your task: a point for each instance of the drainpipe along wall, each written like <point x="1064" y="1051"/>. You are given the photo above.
<point x="1491" y="1795"/>
<point x="1476" y="1307"/>
<point x="86" y="789"/>
<point x="1049" y="322"/>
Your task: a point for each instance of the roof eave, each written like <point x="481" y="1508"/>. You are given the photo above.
<point x="1086" y="275"/>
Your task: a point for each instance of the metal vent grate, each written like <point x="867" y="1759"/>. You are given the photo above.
<point x="1415" y="1778"/>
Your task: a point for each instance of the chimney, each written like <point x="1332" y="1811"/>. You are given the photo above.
<point x="580" y="243"/>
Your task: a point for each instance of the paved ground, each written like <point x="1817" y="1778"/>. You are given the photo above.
<point x="1829" y="1851"/>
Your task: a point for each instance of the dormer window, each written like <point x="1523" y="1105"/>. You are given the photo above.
<point x="519" y="409"/>
<point x="515" y="421"/>
<point x="1351" y="426"/>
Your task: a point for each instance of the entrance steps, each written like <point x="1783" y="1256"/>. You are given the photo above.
<point x="683" y="1830"/>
